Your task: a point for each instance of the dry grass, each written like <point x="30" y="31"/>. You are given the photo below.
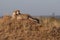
<point x="47" y="29"/>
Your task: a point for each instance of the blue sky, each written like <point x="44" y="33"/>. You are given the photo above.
<point x="32" y="7"/>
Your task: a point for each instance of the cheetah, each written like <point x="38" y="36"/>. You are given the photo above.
<point x="17" y="15"/>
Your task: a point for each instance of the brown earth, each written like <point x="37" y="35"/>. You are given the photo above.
<point x="47" y="29"/>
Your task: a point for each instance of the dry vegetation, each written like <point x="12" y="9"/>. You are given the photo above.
<point x="47" y="29"/>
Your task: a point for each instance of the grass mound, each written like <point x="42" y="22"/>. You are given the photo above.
<point x="28" y="29"/>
